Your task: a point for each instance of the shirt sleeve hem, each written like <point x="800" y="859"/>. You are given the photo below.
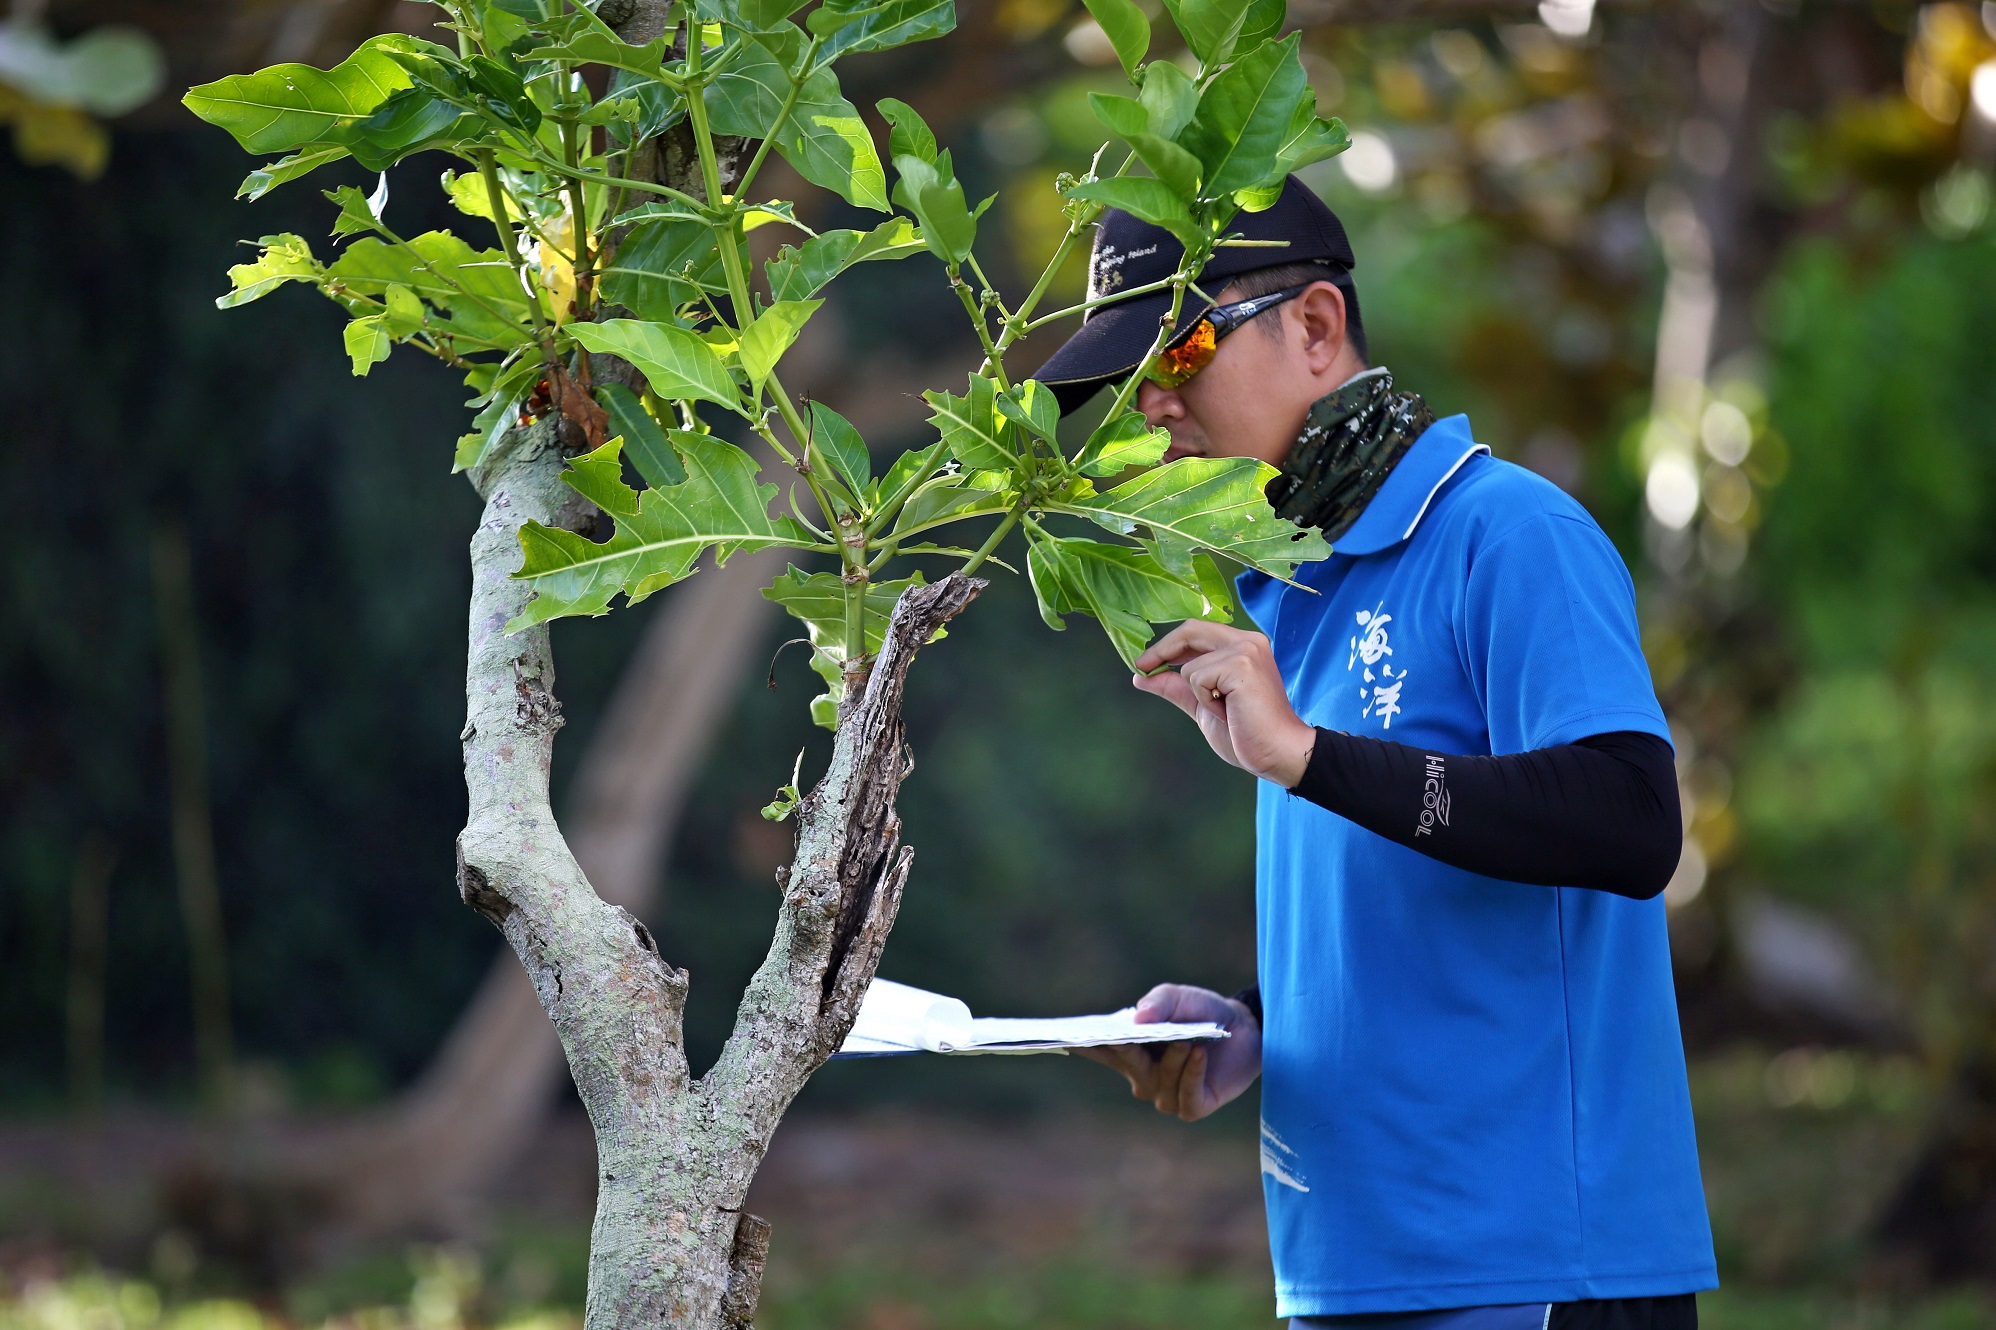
<point x="1600" y="720"/>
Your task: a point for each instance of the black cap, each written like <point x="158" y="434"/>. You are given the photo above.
<point x="1128" y="253"/>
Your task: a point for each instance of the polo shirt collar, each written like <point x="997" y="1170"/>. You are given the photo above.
<point x="1411" y="487"/>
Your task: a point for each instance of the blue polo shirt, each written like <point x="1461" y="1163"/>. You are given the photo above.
<point x="1473" y="1091"/>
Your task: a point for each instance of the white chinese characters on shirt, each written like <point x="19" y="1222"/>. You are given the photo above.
<point x="1380" y="689"/>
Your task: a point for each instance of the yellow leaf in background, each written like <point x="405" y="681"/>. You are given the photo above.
<point x="55" y="135"/>
<point x="557" y="272"/>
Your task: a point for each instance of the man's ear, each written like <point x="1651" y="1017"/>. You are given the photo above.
<point x="1321" y="313"/>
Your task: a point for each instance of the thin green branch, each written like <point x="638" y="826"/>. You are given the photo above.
<point x="1086" y="305"/>
<point x="994" y="359"/>
<point x="1002" y="530"/>
<point x="495" y="196"/>
<point x="782" y="118"/>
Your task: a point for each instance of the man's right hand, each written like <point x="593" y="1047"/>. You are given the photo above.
<point x="1190" y="1078"/>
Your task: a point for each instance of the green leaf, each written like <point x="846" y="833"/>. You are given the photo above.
<point x="410" y="121"/>
<point x="469" y="196"/>
<point x="667" y="210"/>
<point x="661" y="266"/>
<point x="750" y="15"/>
<point x="476" y="83"/>
<point x="1149" y="200"/>
<point x="677" y="364"/>
<point x="644" y="442"/>
<point x="268" y="177"/>
<point x="910" y="135"/>
<point x="1169" y="163"/>
<point x="1244" y="117"/>
<point x="659" y="108"/>
<point x="356" y="215"/>
<point x="1123" y="115"/>
<point x="818" y="601"/>
<point x="948" y="228"/>
<point x="841" y="445"/>
<point x="825" y="139"/>
<point x="971" y="428"/>
<point x="852" y="26"/>
<point x="1261" y="22"/>
<point x="593" y="46"/>
<point x="1214" y="586"/>
<point x="1213" y="503"/>
<point x="660" y="532"/>
<point x="1120" y="443"/>
<point x="404" y="313"/>
<point x="1126" y="590"/>
<point x="764" y="341"/>
<point x="1127" y="29"/>
<point x="1210" y="27"/>
<point x="289" y="106"/>
<point x="478" y="287"/>
<point x="950" y="497"/>
<point x="1169" y="98"/>
<point x="285" y="258"/>
<point x="909" y="470"/>
<point x="798" y="274"/>
<point x="1031" y="404"/>
<point x="501" y="402"/>
<point x="1136" y="124"/>
<point x="368" y="343"/>
<point x="1311" y="138"/>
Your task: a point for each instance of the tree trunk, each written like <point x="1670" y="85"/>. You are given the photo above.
<point x="426" y="1160"/>
<point x="675" y="1156"/>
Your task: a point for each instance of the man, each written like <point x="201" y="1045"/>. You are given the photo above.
<point x="1474" y="1107"/>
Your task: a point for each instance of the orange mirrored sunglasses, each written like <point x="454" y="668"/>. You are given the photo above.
<point x="1171" y="367"/>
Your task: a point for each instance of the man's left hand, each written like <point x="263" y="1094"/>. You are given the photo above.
<point x="1227" y="681"/>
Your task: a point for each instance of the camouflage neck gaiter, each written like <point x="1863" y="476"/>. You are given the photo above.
<point x="1349" y="444"/>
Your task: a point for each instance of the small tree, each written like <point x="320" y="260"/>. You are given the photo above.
<point x="621" y="304"/>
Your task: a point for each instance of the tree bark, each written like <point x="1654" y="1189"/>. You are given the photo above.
<point x="426" y="1161"/>
<point x="675" y="1156"/>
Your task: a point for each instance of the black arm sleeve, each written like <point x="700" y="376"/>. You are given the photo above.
<point x="1599" y="812"/>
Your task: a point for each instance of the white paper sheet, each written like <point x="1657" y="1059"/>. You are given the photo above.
<point x="898" y="1019"/>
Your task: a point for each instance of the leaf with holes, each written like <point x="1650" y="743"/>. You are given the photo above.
<point x="285" y="258"/>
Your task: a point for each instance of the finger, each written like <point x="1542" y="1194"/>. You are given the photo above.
<point x="1192" y="1093"/>
<point x="1171" y="688"/>
<point x="1215" y="672"/>
<point x="1158" y="1005"/>
<point x="1135" y="1070"/>
<point x="1189" y="638"/>
<point x="1169" y="1069"/>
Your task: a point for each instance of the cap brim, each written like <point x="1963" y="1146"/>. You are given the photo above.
<point x="1110" y="345"/>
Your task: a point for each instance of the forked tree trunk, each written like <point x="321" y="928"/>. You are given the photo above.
<point x="424" y="1164"/>
<point x="675" y="1155"/>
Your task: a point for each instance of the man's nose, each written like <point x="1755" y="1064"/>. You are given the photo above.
<point x="1160" y="406"/>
